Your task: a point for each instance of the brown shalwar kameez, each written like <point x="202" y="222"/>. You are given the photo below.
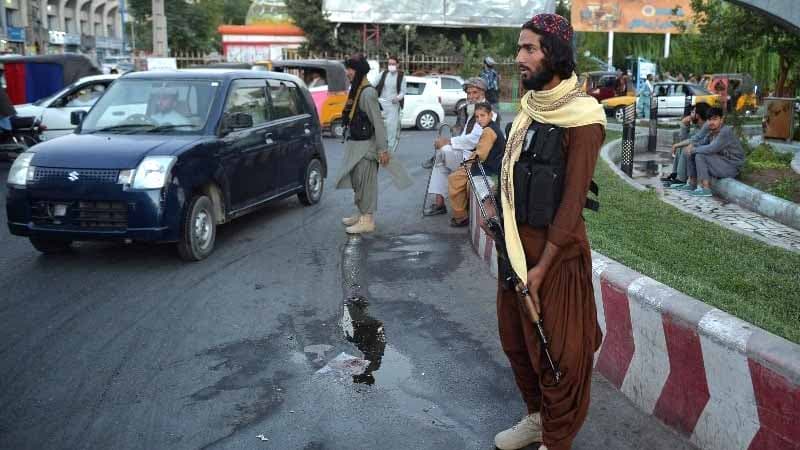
<point x="568" y="309"/>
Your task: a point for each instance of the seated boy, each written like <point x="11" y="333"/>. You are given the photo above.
<point x="720" y="155"/>
<point x="698" y="118"/>
<point x="490" y="150"/>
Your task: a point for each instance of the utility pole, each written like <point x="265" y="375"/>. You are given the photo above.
<point x="160" y="47"/>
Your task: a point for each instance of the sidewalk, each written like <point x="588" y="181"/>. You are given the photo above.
<point x="649" y="166"/>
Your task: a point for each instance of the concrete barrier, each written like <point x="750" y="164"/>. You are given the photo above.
<point x="722" y="382"/>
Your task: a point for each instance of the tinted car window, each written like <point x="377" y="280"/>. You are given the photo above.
<point x="246" y="98"/>
<point x="663" y="90"/>
<point x="415" y="88"/>
<point x="679" y="91"/>
<point x="286" y="99"/>
<point x="449" y="83"/>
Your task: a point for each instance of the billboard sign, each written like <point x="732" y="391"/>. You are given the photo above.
<point x="630" y="16"/>
<point x="441" y="13"/>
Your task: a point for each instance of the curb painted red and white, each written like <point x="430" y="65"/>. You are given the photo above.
<point x="722" y="382"/>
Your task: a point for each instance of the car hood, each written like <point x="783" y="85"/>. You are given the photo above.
<point x="29" y="110"/>
<point x="106" y="151"/>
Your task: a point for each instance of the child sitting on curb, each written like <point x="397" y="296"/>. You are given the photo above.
<point x="490" y="150"/>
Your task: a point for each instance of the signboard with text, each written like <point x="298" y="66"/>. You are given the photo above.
<point x="631" y="16"/>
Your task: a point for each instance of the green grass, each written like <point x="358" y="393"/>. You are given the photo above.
<point x="744" y="277"/>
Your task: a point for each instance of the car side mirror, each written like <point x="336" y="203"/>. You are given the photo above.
<point x="238" y="120"/>
<point x="76" y="117"/>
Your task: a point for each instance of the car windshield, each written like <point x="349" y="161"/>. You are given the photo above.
<point x="152" y="106"/>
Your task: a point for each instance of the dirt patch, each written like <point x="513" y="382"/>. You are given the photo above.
<point x="783" y="182"/>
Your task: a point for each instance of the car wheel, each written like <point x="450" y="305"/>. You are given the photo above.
<point x="459" y="105"/>
<point x="313" y="184"/>
<point x="619" y="113"/>
<point x="427" y="120"/>
<point x="198" y="230"/>
<point x="49" y="246"/>
<point x="337" y="129"/>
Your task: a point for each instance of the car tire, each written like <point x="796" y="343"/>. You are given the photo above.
<point x="427" y="120"/>
<point x="313" y="184"/>
<point x="198" y="229"/>
<point x="337" y="129"/>
<point x="50" y="246"/>
<point x="619" y="113"/>
<point x="459" y="105"/>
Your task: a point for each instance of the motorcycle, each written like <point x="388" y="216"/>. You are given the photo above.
<point x="25" y="133"/>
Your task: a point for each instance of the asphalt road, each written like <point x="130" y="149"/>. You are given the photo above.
<point x="126" y="347"/>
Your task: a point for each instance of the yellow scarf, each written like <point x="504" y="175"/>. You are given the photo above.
<point x="351" y="105"/>
<point x="565" y="106"/>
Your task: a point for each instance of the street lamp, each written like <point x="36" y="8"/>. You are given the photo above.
<point x="407" y="27"/>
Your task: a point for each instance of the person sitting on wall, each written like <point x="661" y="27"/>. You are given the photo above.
<point x="719" y="155"/>
<point x="490" y="151"/>
<point x="697" y="118"/>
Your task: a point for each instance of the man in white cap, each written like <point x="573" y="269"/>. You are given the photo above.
<point x="451" y="152"/>
<point x="165" y="112"/>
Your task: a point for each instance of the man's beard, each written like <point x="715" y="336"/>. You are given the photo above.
<point x="538" y="80"/>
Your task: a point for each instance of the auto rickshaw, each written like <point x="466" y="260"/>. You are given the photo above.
<point x="29" y="78"/>
<point x="329" y="91"/>
<point x="740" y="89"/>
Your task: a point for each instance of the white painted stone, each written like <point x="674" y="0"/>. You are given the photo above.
<point x="649" y="367"/>
<point x="730" y="419"/>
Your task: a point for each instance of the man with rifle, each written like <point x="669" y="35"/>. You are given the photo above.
<point x="545" y="300"/>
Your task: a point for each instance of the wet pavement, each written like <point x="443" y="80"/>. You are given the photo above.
<point x="292" y="335"/>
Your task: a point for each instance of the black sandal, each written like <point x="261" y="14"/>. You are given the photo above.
<point x="456" y="223"/>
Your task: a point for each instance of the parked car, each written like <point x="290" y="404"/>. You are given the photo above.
<point x="453" y="95"/>
<point x="29" y="78"/>
<point x="54" y="111"/>
<point x="167" y="157"/>
<point x="422" y="104"/>
<point x="600" y="85"/>
<point x="671" y="98"/>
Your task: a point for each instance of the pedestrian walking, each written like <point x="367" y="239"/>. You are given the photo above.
<point x="545" y="237"/>
<point x="645" y="94"/>
<point x="366" y="147"/>
<point x="492" y="79"/>
<point x="392" y="91"/>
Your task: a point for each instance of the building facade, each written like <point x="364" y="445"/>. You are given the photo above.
<point x="39" y="27"/>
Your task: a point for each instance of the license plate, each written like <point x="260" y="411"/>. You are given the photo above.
<point x="59" y="210"/>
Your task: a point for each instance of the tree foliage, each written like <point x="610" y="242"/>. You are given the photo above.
<point x="735" y="32"/>
<point x="190" y="26"/>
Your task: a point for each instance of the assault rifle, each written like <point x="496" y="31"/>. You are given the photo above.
<point x="494" y="224"/>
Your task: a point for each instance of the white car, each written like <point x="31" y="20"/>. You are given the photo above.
<point x="54" y="111"/>
<point x="453" y="95"/>
<point x="423" y="108"/>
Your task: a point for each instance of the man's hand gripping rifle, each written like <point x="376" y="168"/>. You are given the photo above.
<point x="495" y="228"/>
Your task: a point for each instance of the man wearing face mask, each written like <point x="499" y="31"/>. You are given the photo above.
<point x="554" y="141"/>
<point x="392" y="90"/>
<point x="451" y="152"/>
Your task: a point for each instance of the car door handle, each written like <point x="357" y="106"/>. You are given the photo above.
<point x="307" y="129"/>
<point x="268" y="138"/>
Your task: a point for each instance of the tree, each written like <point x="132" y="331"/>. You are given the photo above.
<point x="234" y="12"/>
<point x="735" y="33"/>
<point x="190" y="26"/>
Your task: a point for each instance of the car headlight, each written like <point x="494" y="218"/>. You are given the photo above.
<point x="21" y="171"/>
<point x="153" y="172"/>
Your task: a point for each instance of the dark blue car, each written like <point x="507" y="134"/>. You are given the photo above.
<point x="168" y="156"/>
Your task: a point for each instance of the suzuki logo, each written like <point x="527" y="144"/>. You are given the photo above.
<point x="73" y="176"/>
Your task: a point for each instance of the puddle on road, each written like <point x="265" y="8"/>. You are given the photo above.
<point x="363" y="330"/>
